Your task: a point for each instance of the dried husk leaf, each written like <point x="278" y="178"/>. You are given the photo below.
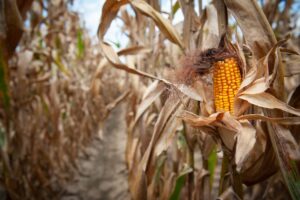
<point x="246" y="139"/>
<point x="198" y="121"/>
<point x="243" y="132"/>
<point x="256" y="168"/>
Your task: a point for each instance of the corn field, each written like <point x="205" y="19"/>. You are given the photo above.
<point x="211" y="101"/>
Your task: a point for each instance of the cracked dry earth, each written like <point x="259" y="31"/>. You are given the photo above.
<point x="105" y="174"/>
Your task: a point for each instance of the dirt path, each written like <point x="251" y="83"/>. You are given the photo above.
<point x="105" y="174"/>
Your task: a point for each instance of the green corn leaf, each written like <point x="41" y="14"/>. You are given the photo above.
<point x="180" y="180"/>
<point x="212" y="161"/>
<point x="80" y="45"/>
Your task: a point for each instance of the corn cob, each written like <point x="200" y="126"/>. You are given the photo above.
<point x="227" y="80"/>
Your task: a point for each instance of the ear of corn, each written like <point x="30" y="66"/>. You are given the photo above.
<point x="227" y="80"/>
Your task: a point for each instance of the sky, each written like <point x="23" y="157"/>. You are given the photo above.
<point x="90" y="11"/>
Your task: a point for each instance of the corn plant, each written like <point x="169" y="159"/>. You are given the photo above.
<point x="213" y="119"/>
<point x="53" y="102"/>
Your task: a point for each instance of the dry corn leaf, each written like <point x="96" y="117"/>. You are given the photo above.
<point x="24" y="58"/>
<point x="279" y="120"/>
<point x="255" y="28"/>
<point x="244" y="133"/>
<point x="288" y="150"/>
<point x="260" y="37"/>
<point x="229" y="131"/>
<point x="154" y="185"/>
<point x="134" y="50"/>
<point x="294" y="97"/>
<point x="12" y="25"/>
<point x="228" y="194"/>
<point x="292" y="66"/>
<point x="168" y="186"/>
<point x="258" y="86"/>
<point x="267" y="100"/>
<point x="109" y="12"/>
<point x="139" y="187"/>
<point x="117" y="101"/>
<point x="167" y="110"/>
<point x="257" y="167"/>
<point x="211" y="34"/>
<point x="198" y="121"/>
<point x="288" y="143"/>
<point x="165" y="140"/>
<point x="254" y="79"/>
<point x="153" y="91"/>
<point x="191" y="92"/>
<point x="164" y="25"/>
<point x="273" y="66"/>
<point x="249" y="78"/>
<point x="113" y="58"/>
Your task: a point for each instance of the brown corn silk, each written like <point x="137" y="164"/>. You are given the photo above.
<point x="227" y="80"/>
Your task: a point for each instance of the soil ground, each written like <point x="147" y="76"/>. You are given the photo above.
<point x="105" y="174"/>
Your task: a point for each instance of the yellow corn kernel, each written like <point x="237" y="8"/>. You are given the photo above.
<point x="227" y="80"/>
